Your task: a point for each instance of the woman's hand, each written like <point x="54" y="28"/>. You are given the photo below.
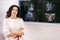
<point x="20" y="33"/>
<point x="12" y="33"/>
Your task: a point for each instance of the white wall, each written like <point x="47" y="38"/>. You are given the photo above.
<point x="42" y="31"/>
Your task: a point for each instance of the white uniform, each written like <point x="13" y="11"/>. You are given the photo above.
<point x="13" y="24"/>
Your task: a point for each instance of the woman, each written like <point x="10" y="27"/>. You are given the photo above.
<point x="13" y="25"/>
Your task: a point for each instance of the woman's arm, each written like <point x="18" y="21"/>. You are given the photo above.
<point x="5" y="28"/>
<point x="12" y="33"/>
<point x="21" y="30"/>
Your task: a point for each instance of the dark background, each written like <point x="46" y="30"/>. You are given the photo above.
<point x="40" y="9"/>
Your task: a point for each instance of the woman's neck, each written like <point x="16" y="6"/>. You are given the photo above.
<point x="13" y="17"/>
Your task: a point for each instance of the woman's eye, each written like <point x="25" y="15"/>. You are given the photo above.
<point x="16" y="10"/>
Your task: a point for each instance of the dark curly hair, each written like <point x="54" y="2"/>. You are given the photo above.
<point x="10" y="10"/>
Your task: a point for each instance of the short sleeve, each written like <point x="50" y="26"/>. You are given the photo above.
<point x="5" y="28"/>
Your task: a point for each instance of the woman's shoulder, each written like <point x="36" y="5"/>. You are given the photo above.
<point x="6" y="18"/>
<point x="20" y="18"/>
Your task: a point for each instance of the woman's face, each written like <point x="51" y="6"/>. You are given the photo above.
<point x="14" y="11"/>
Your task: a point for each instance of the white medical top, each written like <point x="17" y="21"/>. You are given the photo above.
<point x="13" y="24"/>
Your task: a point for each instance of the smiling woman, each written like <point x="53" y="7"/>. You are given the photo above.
<point x="13" y="25"/>
<point x="14" y="12"/>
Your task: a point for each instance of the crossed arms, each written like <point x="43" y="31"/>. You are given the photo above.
<point x="13" y="33"/>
